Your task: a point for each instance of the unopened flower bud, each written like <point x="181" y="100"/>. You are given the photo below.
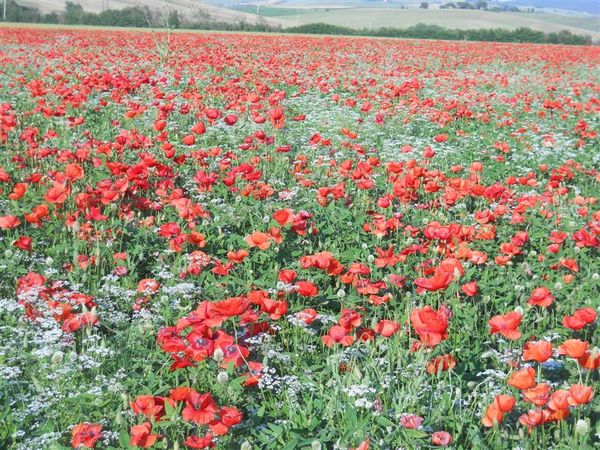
<point x="582" y="427"/>
<point x="222" y="378"/>
<point x="125" y="399"/>
<point x="218" y="355"/>
<point x="57" y="358"/>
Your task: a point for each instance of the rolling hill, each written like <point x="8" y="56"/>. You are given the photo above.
<point x="359" y="17"/>
<point x="187" y="8"/>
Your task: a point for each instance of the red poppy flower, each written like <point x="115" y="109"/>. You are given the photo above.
<point x="430" y="325"/>
<point x="386" y="328"/>
<point x="580" y="394"/>
<point x="287" y="276"/>
<point x="152" y="407"/>
<point x="189" y="139"/>
<point x="441" y="364"/>
<point x="199" y="442"/>
<point x="441" y="438"/>
<point x="559" y="400"/>
<point x="538" y="394"/>
<point x="199" y="408"/>
<point x="338" y="334"/>
<point x="307" y="289"/>
<point x="85" y="435"/>
<point x="538" y="351"/>
<point x="590" y="360"/>
<point x="534" y="418"/>
<point x="228" y="417"/>
<point x="495" y="412"/>
<point x="580" y="319"/>
<point x="232" y="353"/>
<point x="470" y="289"/>
<point x="24" y="243"/>
<point x="522" y="379"/>
<point x="8" y="222"/>
<point x="541" y="297"/>
<point x="141" y="436"/>
<point x="507" y="325"/>
<point x="231" y="119"/>
<point x="574" y="348"/>
<point x="411" y="421"/>
<point x="258" y="239"/>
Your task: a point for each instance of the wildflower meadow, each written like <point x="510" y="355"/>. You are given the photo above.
<point x="246" y="241"/>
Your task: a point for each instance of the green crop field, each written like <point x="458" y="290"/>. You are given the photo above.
<point x="401" y="18"/>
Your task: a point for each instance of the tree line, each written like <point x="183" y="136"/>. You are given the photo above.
<point x="424" y="31"/>
<point x="143" y="17"/>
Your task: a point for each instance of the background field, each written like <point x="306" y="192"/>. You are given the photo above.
<point x="359" y="17"/>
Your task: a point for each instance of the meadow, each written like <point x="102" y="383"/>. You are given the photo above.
<point x="246" y="241"/>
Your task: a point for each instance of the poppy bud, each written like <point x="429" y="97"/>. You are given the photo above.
<point x="222" y="377"/>
<point x="218" y="355"/>
<point x="125" y="399"/>
<point x="582" y="427"/>
<point x="57" y="358"/>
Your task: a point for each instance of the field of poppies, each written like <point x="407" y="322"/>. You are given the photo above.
<point x="279" y="242"/>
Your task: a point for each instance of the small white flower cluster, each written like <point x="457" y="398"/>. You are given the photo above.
<point x="288" y="384"/>
<point x="44" y="441"/>
<point x="259" y="339"/>
<point x="362" y="394"/>
<point x="288" y="194"/>
<point x="359" y="390"/>
<point x="109" y="437"/>
<point x="9" y="373"/>
<point x="277" y="354"/>
<point x="186" y="291"/>
<point x="8" y="305"/>
<point x="163" y="273"/>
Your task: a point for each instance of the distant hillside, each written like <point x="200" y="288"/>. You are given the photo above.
<point x="587" y="6"/>
<point x="187" y="8"/>
<point x="582" y="6"/>
<point x="376" y="17"/>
